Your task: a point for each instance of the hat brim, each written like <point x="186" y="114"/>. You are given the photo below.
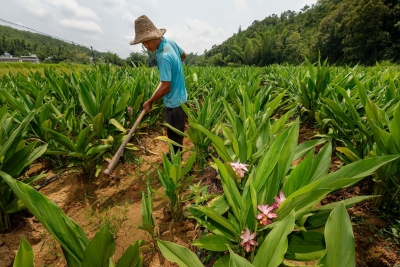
<point x="148" y="37"/>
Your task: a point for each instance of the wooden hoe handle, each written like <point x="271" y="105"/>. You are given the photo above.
<point x="117" y="155"/>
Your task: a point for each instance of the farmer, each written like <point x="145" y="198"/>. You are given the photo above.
<point x="172" y="84"/>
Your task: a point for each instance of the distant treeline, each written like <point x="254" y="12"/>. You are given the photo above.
<point x="342" y="31"/>
<point x="22" y="43"/>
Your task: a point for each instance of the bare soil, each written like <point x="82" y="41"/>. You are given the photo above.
<point x="115" y="201"/>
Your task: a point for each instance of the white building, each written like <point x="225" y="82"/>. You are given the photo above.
<point x="31" y="58"/>
<point x="9" y="58"/>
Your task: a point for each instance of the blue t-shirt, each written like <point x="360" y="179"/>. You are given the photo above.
<point x="169" y="65"/>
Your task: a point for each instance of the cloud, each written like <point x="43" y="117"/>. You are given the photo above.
<point x="241" y="5"/>
<point x="71" y="9"/>
<point x="113" y="3"/>
<point x="129" y="18"/>
<point x="202" y="28"/>
<point x="81" y="25"/>
<point x="196" y="35"/>
<point x="34" y="7"/>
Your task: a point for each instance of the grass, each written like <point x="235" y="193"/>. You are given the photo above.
<point x="112" y="218"/>
<point x="27" y="68"/>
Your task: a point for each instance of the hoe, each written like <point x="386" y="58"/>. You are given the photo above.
<point x="118" y="154"/>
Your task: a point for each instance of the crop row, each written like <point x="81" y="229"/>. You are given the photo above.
<point x="245" y="122"/>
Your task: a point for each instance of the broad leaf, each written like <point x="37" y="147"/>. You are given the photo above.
<point x="305" y="246"/>
<point x="237" y="261"/>
<point x="53" y="219"/>
<point x="339" y="237"/>
<point x="179" y="254"/>
<point x="99" y="250"/>
<point x="131" y="257"/>
<point x="275" y="245"/>
<point x="25" y="255"/>
<point x="213" y="243"/>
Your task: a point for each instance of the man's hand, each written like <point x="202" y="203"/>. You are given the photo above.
<point x="147" y="106"/>
<point x="162" y="89"/>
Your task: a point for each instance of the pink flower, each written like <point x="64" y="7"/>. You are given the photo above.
<point x="130" y="111"/>
<point x="239" y="168"/>
<point x="280" y="199"/>
<point x="247" y="240"/>
<point x="266" y="215"/>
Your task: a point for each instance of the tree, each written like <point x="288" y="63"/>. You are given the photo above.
<point x="137" y="59"/>
<point x="112" y="58"/>
<point x="194" y="60"/>
<point x="331" y="33"/>
<point x="364" y="39"/>
<point x="152" y="60"/>
<point x="294" y="51"/>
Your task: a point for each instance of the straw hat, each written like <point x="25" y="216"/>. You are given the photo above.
<point x="145" y="30"/>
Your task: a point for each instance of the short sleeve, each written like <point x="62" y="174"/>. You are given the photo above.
<point x="164" y="67"/>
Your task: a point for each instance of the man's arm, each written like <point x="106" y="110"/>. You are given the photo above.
<point x="162" y="89"/>
<point x="183" y="56"/>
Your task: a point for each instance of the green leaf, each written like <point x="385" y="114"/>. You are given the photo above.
<point x="274" y="247"/>
<point x="118" y="125"/>
<point x="17" y="132"/>
<point x="339" y="237"/>
<point x="357" y="169"/>
<point x="99" y="250"/>
<point x="213" y="243"/>
<point x="15" y="206"/>
<point x="122" y="102"/>
<point x="97" y="149"/>
<point x="174" y="129"/>
<point x="189" y="163"/>
<point x="83" y="135"/>
<point x="62" y="140"/>
<point x="395" y="127"/>
<point x="166" y="139"/>
<point x="87" y="101"/>
<point x="278" y="157"/>
<point x="131" y="257"/>
<point x="24" y="257"/>
<point x="217" y="142"/>
<point x="222" y="221"/>
<point x="321" y="163"/>
<point x="179" y="254"/>
<point x="302" y="204"/>
<point x="230" y="189"/>
<point x="305" y="147"/>
<point x="237" y="261"/>
<point x="222" y="262"/>
<point x="347" y="202"/>
<point x="220" y="204"/>
<point x="17" y="162"/>
<point x="98" y="124"/>
<point x="300" y="176"/>
<point x="70" y="235"/>
<point x="305" y="246"/>
<point x="348" y="153"/>
<point x="321" y="213"/>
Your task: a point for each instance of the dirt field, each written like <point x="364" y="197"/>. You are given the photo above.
<point x="116" y="202"/>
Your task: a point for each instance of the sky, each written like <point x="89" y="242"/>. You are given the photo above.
<point x="109" y="25"/>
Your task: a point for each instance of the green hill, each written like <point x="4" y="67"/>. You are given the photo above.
<point x="343" y="31"/>
<point x="22" y="43"/>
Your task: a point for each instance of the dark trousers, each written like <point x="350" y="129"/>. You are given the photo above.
<point x="176" y="118"/>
